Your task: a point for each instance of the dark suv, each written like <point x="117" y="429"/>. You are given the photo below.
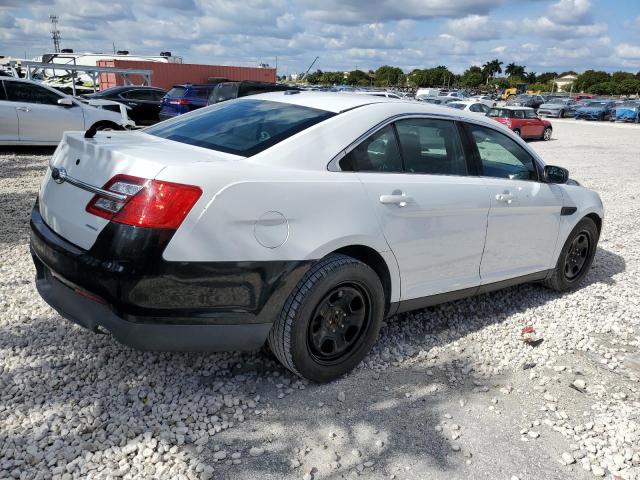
<point x="230" y="90"/>
<point x="143" y="102"/>
<point x="185" y="98"/>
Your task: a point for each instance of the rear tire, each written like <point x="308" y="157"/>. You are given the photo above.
<point x="576" y="257"/>
<point x="331" y="320"/>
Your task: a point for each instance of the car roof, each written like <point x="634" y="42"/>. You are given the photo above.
<point x="342" y="102"/>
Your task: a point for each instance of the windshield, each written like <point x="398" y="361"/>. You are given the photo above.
<point x="459" y="106"/>
<point x="240" y="127"/>
<point x="499" y="112"/>
<point x="631" y="104"/>
<point x="557" y="100"/>
<point x="596" y="104"/>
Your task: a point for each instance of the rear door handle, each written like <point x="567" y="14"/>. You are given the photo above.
<point x="505" y="197"/>
<point x="23" y="109"/>
<point x="400" y="199"/>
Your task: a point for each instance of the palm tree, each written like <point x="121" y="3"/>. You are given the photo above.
<point x="513" y="70"/>
<point x="489" y="69"/>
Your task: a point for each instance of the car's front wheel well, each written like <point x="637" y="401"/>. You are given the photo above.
<point x="374" y="260"/>
<point x="597" y="220"/>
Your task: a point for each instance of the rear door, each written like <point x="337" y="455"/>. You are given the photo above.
<point x="40" y="117"/>
<point x="524" y="217"/>
<point x="432" y="213"/>
<point x="8" y="119"/>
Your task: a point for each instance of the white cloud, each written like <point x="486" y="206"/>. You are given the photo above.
<point x="571" y="12"/>
<point x="546" y="27"/>
<point x="475" y="27"/>
<point x="628" y="51"/>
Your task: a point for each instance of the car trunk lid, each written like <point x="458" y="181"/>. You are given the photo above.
<point x="91" y="163"/>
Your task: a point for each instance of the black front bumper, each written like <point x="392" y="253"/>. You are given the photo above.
<point x="125" y="286"/>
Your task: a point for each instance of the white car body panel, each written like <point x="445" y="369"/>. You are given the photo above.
<point x="44" y="124"/>
<point x="286" y="204"/>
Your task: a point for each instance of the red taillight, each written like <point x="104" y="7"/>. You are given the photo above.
<point x="180" y="101"/>
<point x="147" y="203"/>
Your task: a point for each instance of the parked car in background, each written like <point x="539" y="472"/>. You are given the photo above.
<point x="35" y="114"/>
<point x="378" y="93"/>
<point x="428" y="92"/>
<point x="526" y="100"/>
<point x="227" y="228"/>
<point x="523" y="121"/>
<point x="485" y="99"/>
<point x="185" y="98"/>
<point x="582" y="96"/>
<point x="229" y="90"/>
<point x="453" y="93"/>
<point x="143" y="102"/>
<point x="628" y="111"/>
<point x="469" y="105"/>
<point x="437" y="100"/>
<point x="558" y="107"/>
<point x="595" y="110"/>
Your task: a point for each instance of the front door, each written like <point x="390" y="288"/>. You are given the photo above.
<point x="524" y="217"/>
<point x="433" y="215"/>
<point x="40" y="118"/>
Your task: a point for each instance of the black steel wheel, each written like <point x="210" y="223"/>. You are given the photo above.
<point x="331" y="319"/>
<point x="338" y="322"/>
<point x="576" y="256"/>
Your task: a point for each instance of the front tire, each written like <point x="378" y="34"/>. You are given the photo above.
<point x="331" y="320"/>
<point x="547" y="134"/>
<point x="576" y="257"/>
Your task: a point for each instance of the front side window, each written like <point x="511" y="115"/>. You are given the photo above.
<point x="530" y="114"/>
<point x="479" y="107"/>
<point x="378" y="153"/>
<point x="243" y="127"/>
<point x="29" y="93"/>
<point x="502" y="157"/>
<point x="431" y="146"/>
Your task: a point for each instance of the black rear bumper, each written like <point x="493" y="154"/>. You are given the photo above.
<point x="125" y="286"/>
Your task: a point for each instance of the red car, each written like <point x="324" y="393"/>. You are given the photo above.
<point x="523" y="121"/>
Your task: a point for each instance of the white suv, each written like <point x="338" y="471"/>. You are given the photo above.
<point x="301" y="219"/>
<point x="34" y="114"/>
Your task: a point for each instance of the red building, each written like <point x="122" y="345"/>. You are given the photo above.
<point x="166" y="75"/>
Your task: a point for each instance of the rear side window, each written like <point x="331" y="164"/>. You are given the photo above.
<point x="431" y="146"/>
<point x="177" y="92"/>
<point x="30" y="93"/>
<point x="378" y="153"/>
<point x="243" y="127"/>
<point x="499" y="112"/>
<point x="530" y="114"/>
<point x="223" y="92"/>
<point x="501" y="157"/>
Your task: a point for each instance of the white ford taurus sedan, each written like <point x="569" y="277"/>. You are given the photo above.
<point x="301" y="219"/>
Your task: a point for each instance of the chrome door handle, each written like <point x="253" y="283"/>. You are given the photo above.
<point x="23" y="109"/>
<point x="505" y="197"/>
<point x="400" y="199"/>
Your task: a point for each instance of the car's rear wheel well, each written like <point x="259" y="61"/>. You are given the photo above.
<point x="597" y="220"/>
<point x="106" y="125"/>
<point x="374" y="260"/>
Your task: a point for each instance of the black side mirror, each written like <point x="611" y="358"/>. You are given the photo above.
<point x="553" y="174"/>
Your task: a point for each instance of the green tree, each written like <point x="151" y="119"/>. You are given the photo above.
<point x="603" y="88"/>
<point x="546" y="77"/>
<point x="387" y="75"/>
<point x="531" y="77"/>
<point x="315" y="77"/>
<point x="332" y="78"/>
<point x="628" y="86"/>
<point x="358" y="77"/>
<point x="491" y="68"/>
<point x="513" y="70"/>
<point x="587" y="80"/>
<point x="472" y="77"/>
<point x="431" y="77"/>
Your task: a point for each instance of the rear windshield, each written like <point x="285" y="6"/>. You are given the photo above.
<point x="499" y="112"/>
<point x="223" y="92"/>
<point x="176" y="92"/>
<point x="241" y="127"/>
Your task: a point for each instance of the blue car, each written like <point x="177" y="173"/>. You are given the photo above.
<point x="184" y="98"/>
<point x="595" y="110"/>
<point x="627" y="112"/>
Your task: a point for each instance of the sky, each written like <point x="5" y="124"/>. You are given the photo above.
<point x="543" y="35"/>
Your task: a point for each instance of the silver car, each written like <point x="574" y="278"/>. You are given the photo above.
<point x="558" y="107"/>
<point x="34" y="114"/>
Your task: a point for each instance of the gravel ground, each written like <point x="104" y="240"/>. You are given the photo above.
<point x="451" y="392"/>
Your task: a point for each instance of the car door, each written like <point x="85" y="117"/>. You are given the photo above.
<point x="521" y="123"/>
<point x="524" y="217"/>
<point x="535" y="126"/>
<point x="144" y="108"/>
<point x="40" y="118"/>
<point x="8" y="119"/>
<point x="432" y="213"/>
